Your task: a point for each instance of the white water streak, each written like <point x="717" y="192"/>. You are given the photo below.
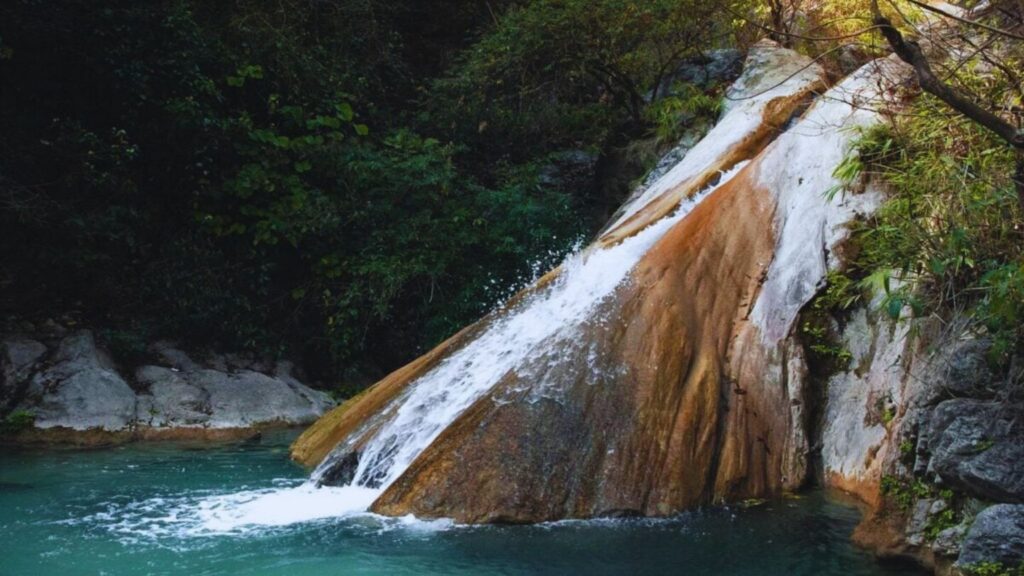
<point x="438" y="397"/>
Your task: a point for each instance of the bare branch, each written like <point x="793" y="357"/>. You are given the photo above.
<point x="910" y="52"/>
<point x="961" y="20"/>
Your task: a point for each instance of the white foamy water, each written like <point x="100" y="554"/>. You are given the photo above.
<point x="437" y="398"/>
<point x="183" y="518"/>
<point x="281" y="506"/>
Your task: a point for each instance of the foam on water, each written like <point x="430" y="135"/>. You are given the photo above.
<point x="179" y="520"/>
<point x="280" y="507"/>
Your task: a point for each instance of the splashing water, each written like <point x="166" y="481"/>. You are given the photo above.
<point x="437" y="398"/>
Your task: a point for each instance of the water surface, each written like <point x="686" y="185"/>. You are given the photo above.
<point x="177" y="509"/>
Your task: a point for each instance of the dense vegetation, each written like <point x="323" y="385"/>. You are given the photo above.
<point x="343" y="181"/>
<point x="348" y="182"/>
<point x="947" y="243"/>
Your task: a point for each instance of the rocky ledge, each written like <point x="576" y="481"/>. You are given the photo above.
<point x="67" y="389"/>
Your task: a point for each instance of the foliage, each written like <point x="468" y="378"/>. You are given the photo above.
<point x="680" y="108"/>
<point x="992" y="569"/>
<point x="904" y="491"/>
<point x="939" y="522"/>
<point x="242" y="175"/>
<point x="906" y="449"/>
<point x="949" y="236"/>
<point x="818" y="327"/>
<point x="17" y="421"/>
<point x="569" y="72"/>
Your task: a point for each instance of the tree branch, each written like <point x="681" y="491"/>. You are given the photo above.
<point x="910" y="52"/>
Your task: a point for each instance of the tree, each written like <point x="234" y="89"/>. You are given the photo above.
<point x="970" y="105"/>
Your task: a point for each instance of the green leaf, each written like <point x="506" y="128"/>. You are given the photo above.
<point x="362" y="129"/>
<point x="344" y="111"/>
<point x="894" y="307"/>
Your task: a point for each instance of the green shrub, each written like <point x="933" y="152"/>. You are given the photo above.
<point x="948" y="237"/>
<point x="993" y="569"/>
<point x="17" y="421"/>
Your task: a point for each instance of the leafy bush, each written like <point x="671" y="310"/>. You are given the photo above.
<point x="993" y="569"/>
<point x="17" y="421"/>
<point x="949" y="236"/>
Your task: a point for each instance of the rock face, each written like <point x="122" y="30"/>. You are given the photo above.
<point x="210" y="398"/>
<point x="80" y="390"/>
<point x="685" y="384"/>
<point x="17" y="358"/>
<point x="861" y="403"/>
<point x="978" y="447"/>
<point x="76" y="387"/>
<point x="996" y="536"/>
<point x="919" y="411"/>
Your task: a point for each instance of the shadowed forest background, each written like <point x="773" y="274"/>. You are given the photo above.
<point x="348" y="182"/>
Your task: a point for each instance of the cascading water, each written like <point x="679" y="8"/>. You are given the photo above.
<point x="438" y="397"/>
<point x="435" y="400"/>
<point x="405" y="420"/>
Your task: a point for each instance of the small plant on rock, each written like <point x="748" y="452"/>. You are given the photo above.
<point x="17" y="421"/>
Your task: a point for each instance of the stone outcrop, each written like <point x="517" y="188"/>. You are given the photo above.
<point x="17" y="358"/>
<point x="912" y="428"/>
<point x="977" y="446"/>
<point x="80" y="390"/>
<point x="997" y="536"/>
<point x="74" y="392"/>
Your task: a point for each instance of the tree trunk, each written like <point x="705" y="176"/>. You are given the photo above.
<point x="1018" y="179"/>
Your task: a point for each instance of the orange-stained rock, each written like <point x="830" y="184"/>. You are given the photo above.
<point x="319" y="439"/>
<point x="640" y="428"/>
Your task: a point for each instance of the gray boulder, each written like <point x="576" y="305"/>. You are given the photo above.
<point x="917" y="523"/>
<point x="172" y="357"/>
<point x="722" y="65"/>
<point x="997" y="535"/>
<point x="17" y="358"/>
<point x="978" y="447"/>
<point x="967" y="371"/>
<point x="169" y="399"/>
<point x="188" y="395"/>
<point x="947" y="543"/>
<point x="81" y="390"/>
<point x="246" y="398"/>
<point x="79" y="387"/>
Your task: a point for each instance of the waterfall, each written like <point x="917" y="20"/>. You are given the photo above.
<point x="437" y="398"/>
<point x="370" y="449"/>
